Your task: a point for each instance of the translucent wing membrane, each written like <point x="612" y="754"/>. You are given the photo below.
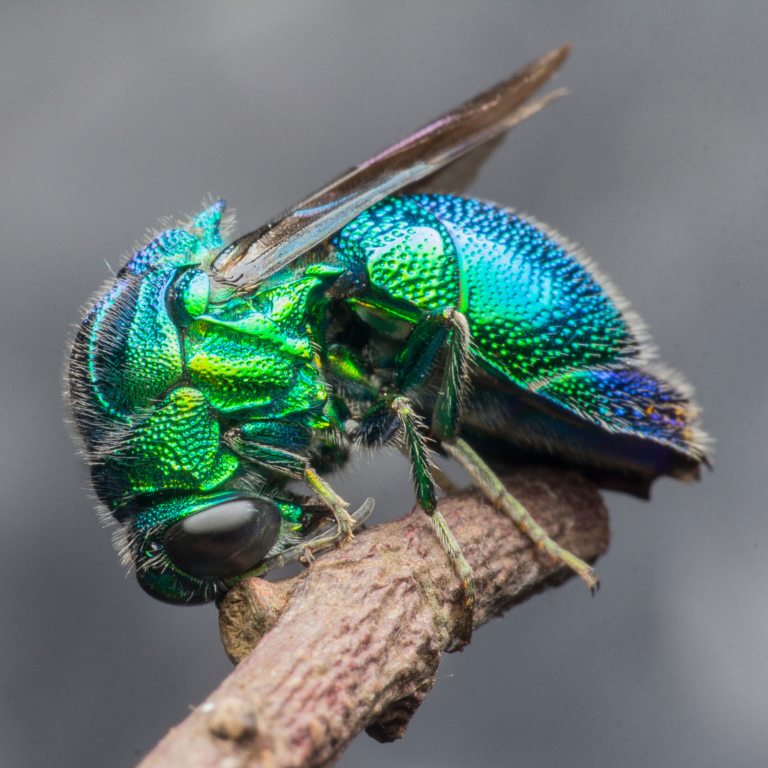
<point x="260" y="254"/>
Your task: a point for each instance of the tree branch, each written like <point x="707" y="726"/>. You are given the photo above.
<point x="355" y="640"/>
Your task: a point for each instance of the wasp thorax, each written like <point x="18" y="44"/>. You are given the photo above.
<point x="224" y="540"/>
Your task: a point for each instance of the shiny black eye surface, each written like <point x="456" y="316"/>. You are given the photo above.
<point x="224" y="540"/>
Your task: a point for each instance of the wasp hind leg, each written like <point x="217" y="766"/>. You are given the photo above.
<point x="447" y="330"/>
<point x="445" y="423"/>
<point x="395" y="416"/>
<point x="496" y="493"/>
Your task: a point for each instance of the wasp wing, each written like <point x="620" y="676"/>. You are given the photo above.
<point x="255" y="256"/>
<point x="459" y="174"/>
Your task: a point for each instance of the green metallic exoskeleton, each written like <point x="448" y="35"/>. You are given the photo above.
<point x="211" y="373"/>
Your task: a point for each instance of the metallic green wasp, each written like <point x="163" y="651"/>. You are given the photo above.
<point x="212" y="374"/>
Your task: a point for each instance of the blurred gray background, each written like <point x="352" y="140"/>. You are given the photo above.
<point x="113" y="115"/>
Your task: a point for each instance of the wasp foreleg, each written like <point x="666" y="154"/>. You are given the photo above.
<point x="308" y="548"/>
<point x="344" y="521"/>
<point x="495" y="491"/>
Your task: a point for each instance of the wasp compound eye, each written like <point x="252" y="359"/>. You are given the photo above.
<point x="224" y="540"/>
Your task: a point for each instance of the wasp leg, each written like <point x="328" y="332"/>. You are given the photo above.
<point x="445" y="420"/>
<point x="435" y="332"/>
<point x="408" y="421"/>
<point x="278" y="444"/>
<point x="344" y="522"/>
<point x="322" y="540"/>
<point x="494" y="490"/>
<point x="416" y="360"/>
<point x="464" y="571"/>
<point x="421" y="471"/>
<point x="446" y="329"/>
<point x="447" y="411"/>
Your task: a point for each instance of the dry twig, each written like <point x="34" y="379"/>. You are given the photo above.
<point x="354" y="641"/>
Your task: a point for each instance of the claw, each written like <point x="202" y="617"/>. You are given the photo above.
<point x="345" y="524"/>
<point x="345" y="528"/>
<point x="580" y="567"/>
<point x="307" y="557"/>
<point x="354" y="521"/>
<point x="321" y="540"/>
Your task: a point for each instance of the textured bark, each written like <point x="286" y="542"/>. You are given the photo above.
<point x="355" y="640"/>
